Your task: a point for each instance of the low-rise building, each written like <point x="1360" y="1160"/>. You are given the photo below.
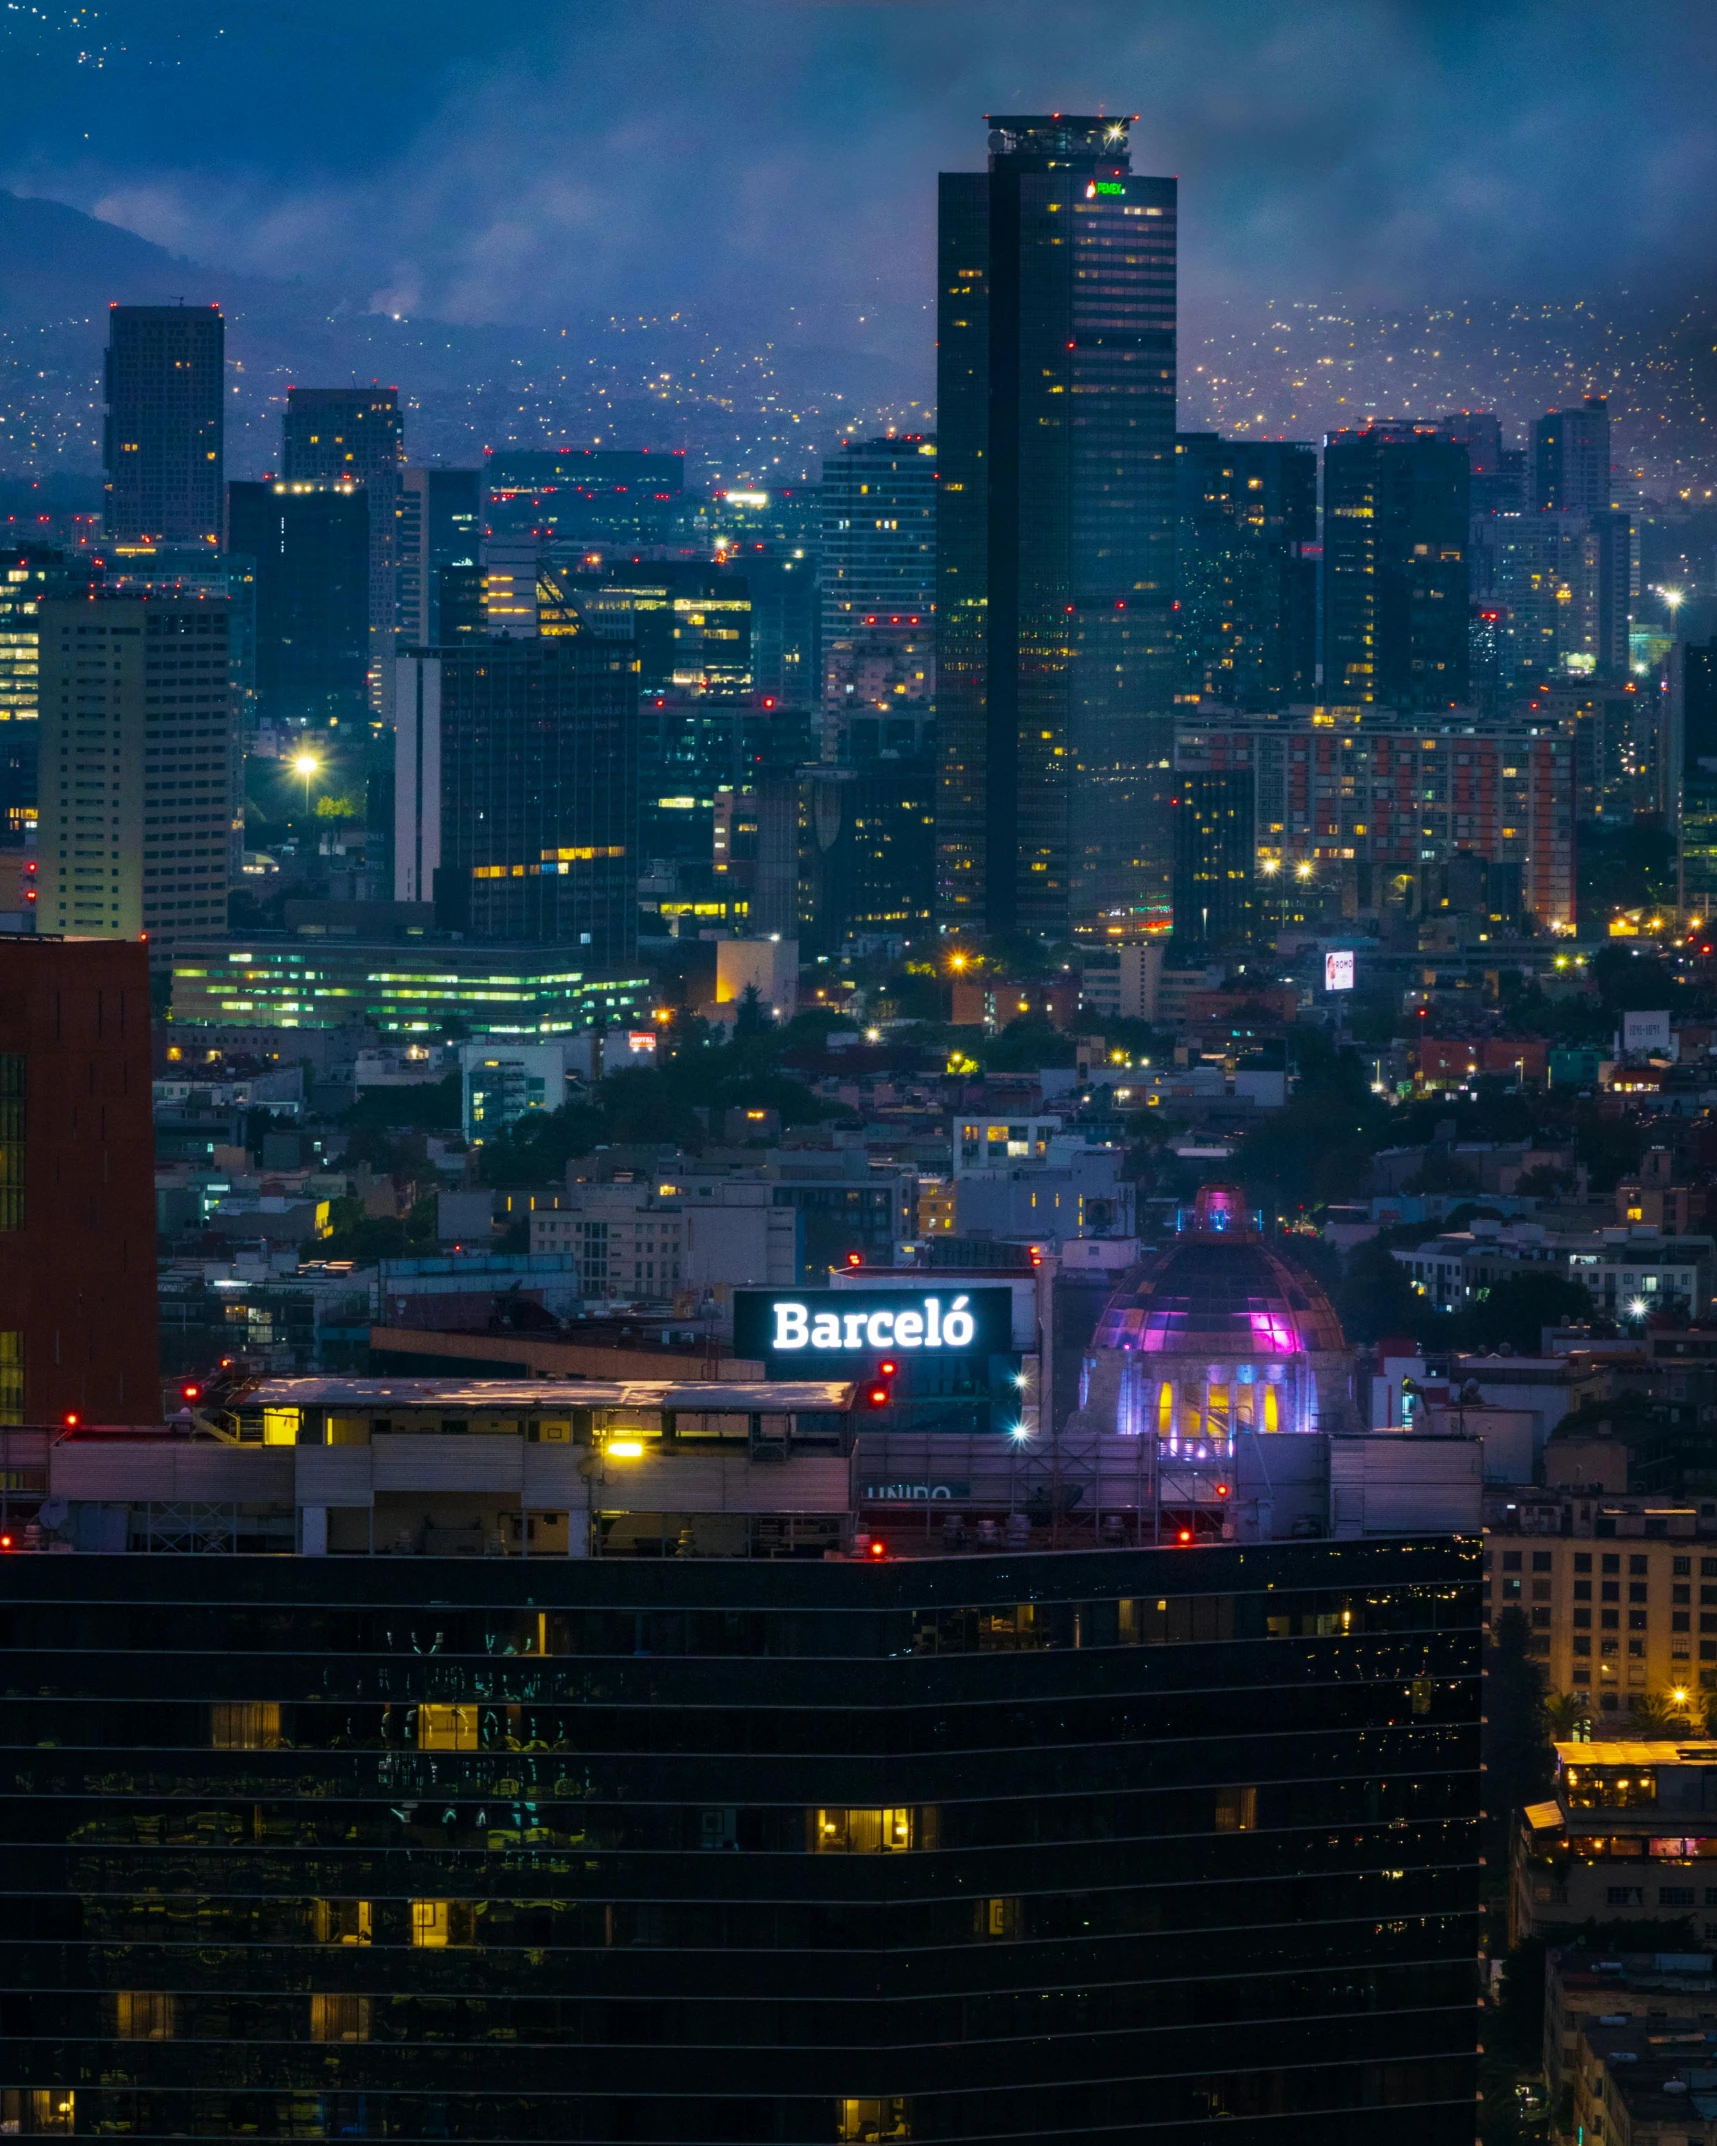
<point x="1628" y="1831"/>
<point x="1630" y="1272"/>
<point x="1647" y="2082"/>
<point x="655" y="1240"/>
<point x="1584" y="1988"/>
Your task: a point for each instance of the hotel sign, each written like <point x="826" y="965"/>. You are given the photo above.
<point x="853" y="1327"/>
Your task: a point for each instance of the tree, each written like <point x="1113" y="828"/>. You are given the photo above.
<point x="1517" y="1310"/>
<point x="1374" y="1296"/>
<point x="1442" y="1173"/>
<point x="1659" y="1713"/>
<point x="1545" y="1182"/>
<point x="1515" y="1741"/>
<point x="1566" y="1711"/>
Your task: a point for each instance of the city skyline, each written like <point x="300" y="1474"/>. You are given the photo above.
<point x="1376" y="216"/>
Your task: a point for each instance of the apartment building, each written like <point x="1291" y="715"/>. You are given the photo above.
<point x="1615" y="1615"/>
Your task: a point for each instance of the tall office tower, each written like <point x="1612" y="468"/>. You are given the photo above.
<point x="27" y="575"/>
<point x="690" y="622"/>
<point x="1553" y="590"/>
<point x="438" y="518"/>
<point x="1497" y="473"/>
<point x="780" y="586"/>
<point x="511" y="566"/>
<point x="516" y="790"/>
<point x="1215" y="844"/>
<point x="163" y="432"/>
<point x="878" y="550"/>
<point x="459" y="606"/>
<point x="867" y="847"/>
<point x="140" y="773"/>
<point x="606" y="498"/>
<point x="77" y="1185"/>
<point x="340" y="435"/>
<point x="1055" y="531"/>
<point x="1396" y="503"/>
<point x="1571" y="460"/>
<point x="1246" y="576"/>
<point x="1692" y="773"/>
<point x="311" y="546"/>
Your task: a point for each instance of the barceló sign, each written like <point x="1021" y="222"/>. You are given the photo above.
<point x="853" y="1323"/>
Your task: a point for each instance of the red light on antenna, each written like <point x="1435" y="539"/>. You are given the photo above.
<point x="855" y="1259"/>
<point x="71" y="1420"/>
<point x="190" y="1393"/>
<point x="1222" y="1490"/>
<point x="5" y="1542"/>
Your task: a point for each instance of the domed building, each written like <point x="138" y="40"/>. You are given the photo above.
<point x="1215" y="1339"/>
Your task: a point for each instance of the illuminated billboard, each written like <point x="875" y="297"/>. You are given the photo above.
<point x="1338" y="971"/>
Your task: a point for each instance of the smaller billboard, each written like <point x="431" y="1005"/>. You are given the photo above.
<point x="1338" y="970"/>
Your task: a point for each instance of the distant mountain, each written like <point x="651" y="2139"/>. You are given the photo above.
<point x="749" y="409"/>
<point x="57" y="264"/>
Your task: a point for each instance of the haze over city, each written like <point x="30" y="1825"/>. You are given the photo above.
<point x="858" y="1073"/>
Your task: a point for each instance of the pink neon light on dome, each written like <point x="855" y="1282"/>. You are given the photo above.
<point x="1274" y="1332"/>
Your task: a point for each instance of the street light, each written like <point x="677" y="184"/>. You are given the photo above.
<point x="307" y="765"/>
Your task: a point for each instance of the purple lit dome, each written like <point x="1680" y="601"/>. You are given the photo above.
<point x="1219" y="1291"/>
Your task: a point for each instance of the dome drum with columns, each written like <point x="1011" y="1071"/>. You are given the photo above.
<point x="1216" y="1338"/>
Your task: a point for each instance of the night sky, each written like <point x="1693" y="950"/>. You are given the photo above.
<point x="754" y="156"/>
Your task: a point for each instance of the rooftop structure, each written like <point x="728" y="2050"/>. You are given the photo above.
<point x="1625" y="1832"/>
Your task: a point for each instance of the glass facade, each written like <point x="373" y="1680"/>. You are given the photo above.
<point x="1396" y="505"/>
<point x="1055" y="532"/>
<point x="399" y="989"/>
<point x="1152" y="1845"/>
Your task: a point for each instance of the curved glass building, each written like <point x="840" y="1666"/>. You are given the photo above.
<point x="1134" y="1845"/>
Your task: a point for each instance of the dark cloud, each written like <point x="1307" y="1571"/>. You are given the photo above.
<point x="762" y="160"/>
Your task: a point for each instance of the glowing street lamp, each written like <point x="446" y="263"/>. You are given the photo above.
<point x="307" y="765"/>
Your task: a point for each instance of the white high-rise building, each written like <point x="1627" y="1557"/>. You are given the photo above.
<point x="139" y="774"/>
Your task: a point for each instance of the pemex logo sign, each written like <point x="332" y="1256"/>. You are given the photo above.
<point x="840" y="1328"/>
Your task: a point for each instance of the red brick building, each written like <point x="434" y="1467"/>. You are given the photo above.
<point x="77" y="1183"/>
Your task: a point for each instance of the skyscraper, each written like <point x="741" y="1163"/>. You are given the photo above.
<point x="77" y="1185"/>
<point x="516" y="790"/>
<point x="1246" y="577"/>
<point x="140" y="768"/>
<point x="162" y="439"/>
<point x="339" y="435"/>
<point x="1055" y="531"/>
<point x="1571" y="460"/>
<point x="879" y="579"/>
<point x="439" y="521"/>
<point x="1214" y="843"/>
<point x="311" y="547"/>
<point x="1396" y="500"/>
<point x="1693" y="773"/>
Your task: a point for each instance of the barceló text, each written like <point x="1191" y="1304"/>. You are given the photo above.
<point x="933" y="1327"/>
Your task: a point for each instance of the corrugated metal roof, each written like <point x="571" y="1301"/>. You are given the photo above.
<point x="501" y="1396"/>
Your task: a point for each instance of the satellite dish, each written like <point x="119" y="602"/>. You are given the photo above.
<point x="54" y="1512"/>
